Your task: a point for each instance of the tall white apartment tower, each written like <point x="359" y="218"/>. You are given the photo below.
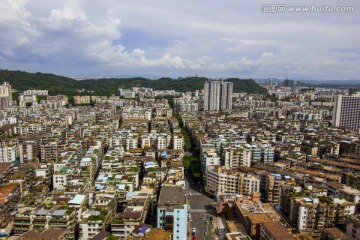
<point x="346" y="112"/>
<point x="5" y="95"/>
<point x="218" y="95"/>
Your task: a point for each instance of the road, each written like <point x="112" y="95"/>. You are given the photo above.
<point x="200" y="210"/>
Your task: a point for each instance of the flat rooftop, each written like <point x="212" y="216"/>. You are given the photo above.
<point x="278" y="231"/>
<point x="171" y="198"/>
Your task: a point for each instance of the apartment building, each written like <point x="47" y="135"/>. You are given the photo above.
<point x="51" y="151"/>
<point x="172" y="211"/>
<point x="29" y="151"/>
<point x="41" y="219"/>
<point x="274" y="182"/>
<point x="346" y="112"/>
<point x="178" y="142"/>
<point x="5" y="95"/>
<point x="309" y="213"/>
<point x="346" y="192"/>
<point x="252" y="214"/>
<point x="274" y="231"/>
<point x="9" y="153"/>
<point x="218" y="95"/>
<point x="221" y="179"/>
<point x="353" y="226"/>
<point x="125" y="222"/>
<point x="249" y="183"/>
<point x="92" y="222"/>
<point x="208" y="157"/>
<point x="267" y="153"/>
<point x="81" y="99"/>
<point x="234" y="157"/>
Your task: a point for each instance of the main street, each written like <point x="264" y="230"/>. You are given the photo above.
<point x="201" y="210"/>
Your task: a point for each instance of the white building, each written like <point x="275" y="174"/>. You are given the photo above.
<point x="59" y="180"/>
<point x="235" y="157"/>
<point x="8" y="153"/>
<point x="178" y="142"/>
<point x="218" y="95"/>
<point x="5" y="95"/>
<point x="208" y="157"/>
<point x="172" y="212"/>
<point x="346" y="112"/>
<point x="221" y="179"/>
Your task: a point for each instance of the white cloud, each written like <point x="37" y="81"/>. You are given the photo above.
<point x="228" y="37"/>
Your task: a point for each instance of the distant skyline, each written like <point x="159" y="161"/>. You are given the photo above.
<point x="179" y="38"/>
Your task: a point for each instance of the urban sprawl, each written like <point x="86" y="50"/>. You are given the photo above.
<point x="209" y="164"/>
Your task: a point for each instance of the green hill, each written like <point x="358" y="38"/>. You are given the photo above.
<point x="21" y="81"/>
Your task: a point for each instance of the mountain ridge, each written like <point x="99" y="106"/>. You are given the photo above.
<point x="21" y="80"/>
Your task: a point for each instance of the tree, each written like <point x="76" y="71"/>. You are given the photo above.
<point x="112" y="237"/>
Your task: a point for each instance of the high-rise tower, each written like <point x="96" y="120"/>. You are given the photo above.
<point x="346" y="112"/>
<point x="5" y="95"/>
<point x="218" y="95"/>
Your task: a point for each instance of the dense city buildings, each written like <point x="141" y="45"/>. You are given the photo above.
<point x="150" y="164"/>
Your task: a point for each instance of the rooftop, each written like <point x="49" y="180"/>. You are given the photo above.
<point x="50" y="233"/>
<point x="259" y="218"/>
<point x="4" y="166"/>
<point x="277" y="230"/>
<point x="336" y="233"/>
<point x="172" y="197"/>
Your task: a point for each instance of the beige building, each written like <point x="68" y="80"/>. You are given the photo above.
<point x="221" y="179"/>
<point x="81" y="99"/>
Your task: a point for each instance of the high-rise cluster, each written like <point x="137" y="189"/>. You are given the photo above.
<point x="218" y="95"/>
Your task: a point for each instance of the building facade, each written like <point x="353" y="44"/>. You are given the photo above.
<point x="346" y="112"/>
<point x="172" y="211"/>
<point x="5" y="95"/>
<point x="218" y="95"/>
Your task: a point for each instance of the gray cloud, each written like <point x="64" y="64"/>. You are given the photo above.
<point x="179" y="37"/>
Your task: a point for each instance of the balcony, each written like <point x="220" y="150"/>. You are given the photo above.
<point x="59" y="224"/>
<point x="20" y="229"/>
<point x="320" y="225"/>
<point x="22" y="219"/>
<point x="17" y="223"/>
<point x="39" y="224"/>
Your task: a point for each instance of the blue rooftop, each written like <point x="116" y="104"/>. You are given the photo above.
<point x="77" y="199"/>
<point x="143" y="229"/>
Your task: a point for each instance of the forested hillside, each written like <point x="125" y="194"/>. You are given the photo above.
<point x="21" y="81"/>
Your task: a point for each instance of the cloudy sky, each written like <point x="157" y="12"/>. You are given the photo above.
<point x="213" y="38"/>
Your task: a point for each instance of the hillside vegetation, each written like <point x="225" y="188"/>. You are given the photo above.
<point x="21" y="81"/>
